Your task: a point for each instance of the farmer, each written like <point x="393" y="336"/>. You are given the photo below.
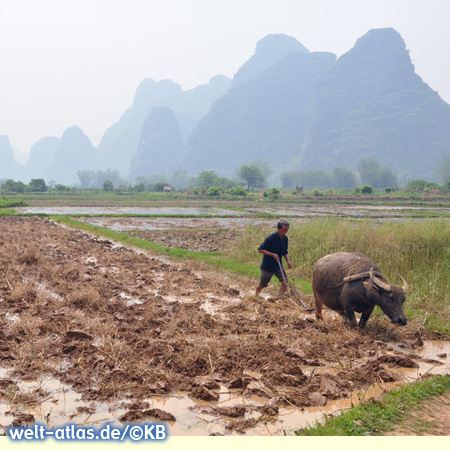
<point x="274" y="247"/>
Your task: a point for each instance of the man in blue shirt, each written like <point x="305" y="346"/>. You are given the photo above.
<point x="273" y="249"/>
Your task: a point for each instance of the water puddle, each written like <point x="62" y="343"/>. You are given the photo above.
<point x="58" y="404"/>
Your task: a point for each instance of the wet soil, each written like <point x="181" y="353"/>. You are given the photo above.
<point x="120" y="326"/>
<point x="196" y="240"/>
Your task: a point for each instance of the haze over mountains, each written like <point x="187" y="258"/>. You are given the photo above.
<point x="286" y="106"/>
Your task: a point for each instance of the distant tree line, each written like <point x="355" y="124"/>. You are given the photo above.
<point x="35" y="185"/>
<point x="370" y="172"/>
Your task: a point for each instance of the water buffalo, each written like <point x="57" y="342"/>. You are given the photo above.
<point x="351" y="282"/>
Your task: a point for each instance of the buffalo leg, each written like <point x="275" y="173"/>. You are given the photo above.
<point x="365" y="317"/>
<point x="350" y="315"/>
<point x="319" y="304"/>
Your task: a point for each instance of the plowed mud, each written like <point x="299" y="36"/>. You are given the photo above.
<point x="197" y="240"/>
<point x="121" y="326"/>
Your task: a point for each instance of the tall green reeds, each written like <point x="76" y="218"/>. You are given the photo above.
<point x="417" y="250"/>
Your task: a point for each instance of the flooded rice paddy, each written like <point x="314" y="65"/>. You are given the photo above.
<point x="307" y="210"/>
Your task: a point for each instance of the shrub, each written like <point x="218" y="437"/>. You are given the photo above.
<point x="62" y="188"/>
<point x="213" y="191"/>
<point x="316" y="192"/>
<point x="367" y="189"/>
<point x="420" y="186"/>
<point x="272" y="192"/>
<point x="388" y="190"/>
<point x="238" y="191"/>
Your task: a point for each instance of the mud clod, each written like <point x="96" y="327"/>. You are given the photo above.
<point x="22" y="420"/>
<point x="136" y="415"/>
<point x="317" y="399"/>
<point x="203" y="393"/>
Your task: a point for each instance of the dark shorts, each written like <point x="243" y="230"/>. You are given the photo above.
<point x="267" y="276"/>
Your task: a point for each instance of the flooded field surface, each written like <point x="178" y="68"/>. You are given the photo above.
<point x="305" y="211"/>
<point x="162" y="211"/>
<point x="180" y="223"/>
<point x="353" y="211"/>
<point x="94" y="332"/>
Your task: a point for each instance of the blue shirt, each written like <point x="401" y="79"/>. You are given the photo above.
<point x="273" y="244"/>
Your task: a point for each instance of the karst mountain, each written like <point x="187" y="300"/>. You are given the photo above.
<point x="286" y="106"/>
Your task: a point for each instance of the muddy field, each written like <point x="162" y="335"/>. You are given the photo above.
<point x="122" y="328"/>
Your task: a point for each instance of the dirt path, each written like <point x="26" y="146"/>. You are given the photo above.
<point x="121" y="326"/>
<point x="432" y="418"/>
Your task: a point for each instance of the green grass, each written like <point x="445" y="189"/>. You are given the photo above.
<point x="99" y="197"/>
<point x="376" y="417"/>
<point x="7" y="212"/>
<point x="11" y="203"/>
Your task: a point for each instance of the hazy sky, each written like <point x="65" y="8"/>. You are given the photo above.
<point x="79" y="62"/>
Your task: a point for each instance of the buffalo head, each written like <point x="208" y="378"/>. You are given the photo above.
<point x="389" y="297"/>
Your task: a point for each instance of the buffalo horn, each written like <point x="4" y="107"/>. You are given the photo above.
<point x="405" y="287"/>
<point x="377" y="281"/>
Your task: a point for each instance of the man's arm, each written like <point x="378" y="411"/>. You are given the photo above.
<point x="286" y="257"/>
<point x="267" y="253"/>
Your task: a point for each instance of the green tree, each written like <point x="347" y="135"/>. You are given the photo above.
<point x="368" y="170"/>
<point x="180" y="178"/>
<point x="37" y="185"/>
<point x="374" y="174"/>
<point x="252" y="175"/>
<point x="208" y="178"/>
<point x="13" y="186"/>
<point x="100" y="176"/>
<point x="86" y="178"/>
<point x="108" y="186"/>
<point x="386" y="177"/>
<point x="343" y="178"/>
<point x="416" y="185"/>
<point x="139" y="187"/>
<point x="264" y="166"/>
